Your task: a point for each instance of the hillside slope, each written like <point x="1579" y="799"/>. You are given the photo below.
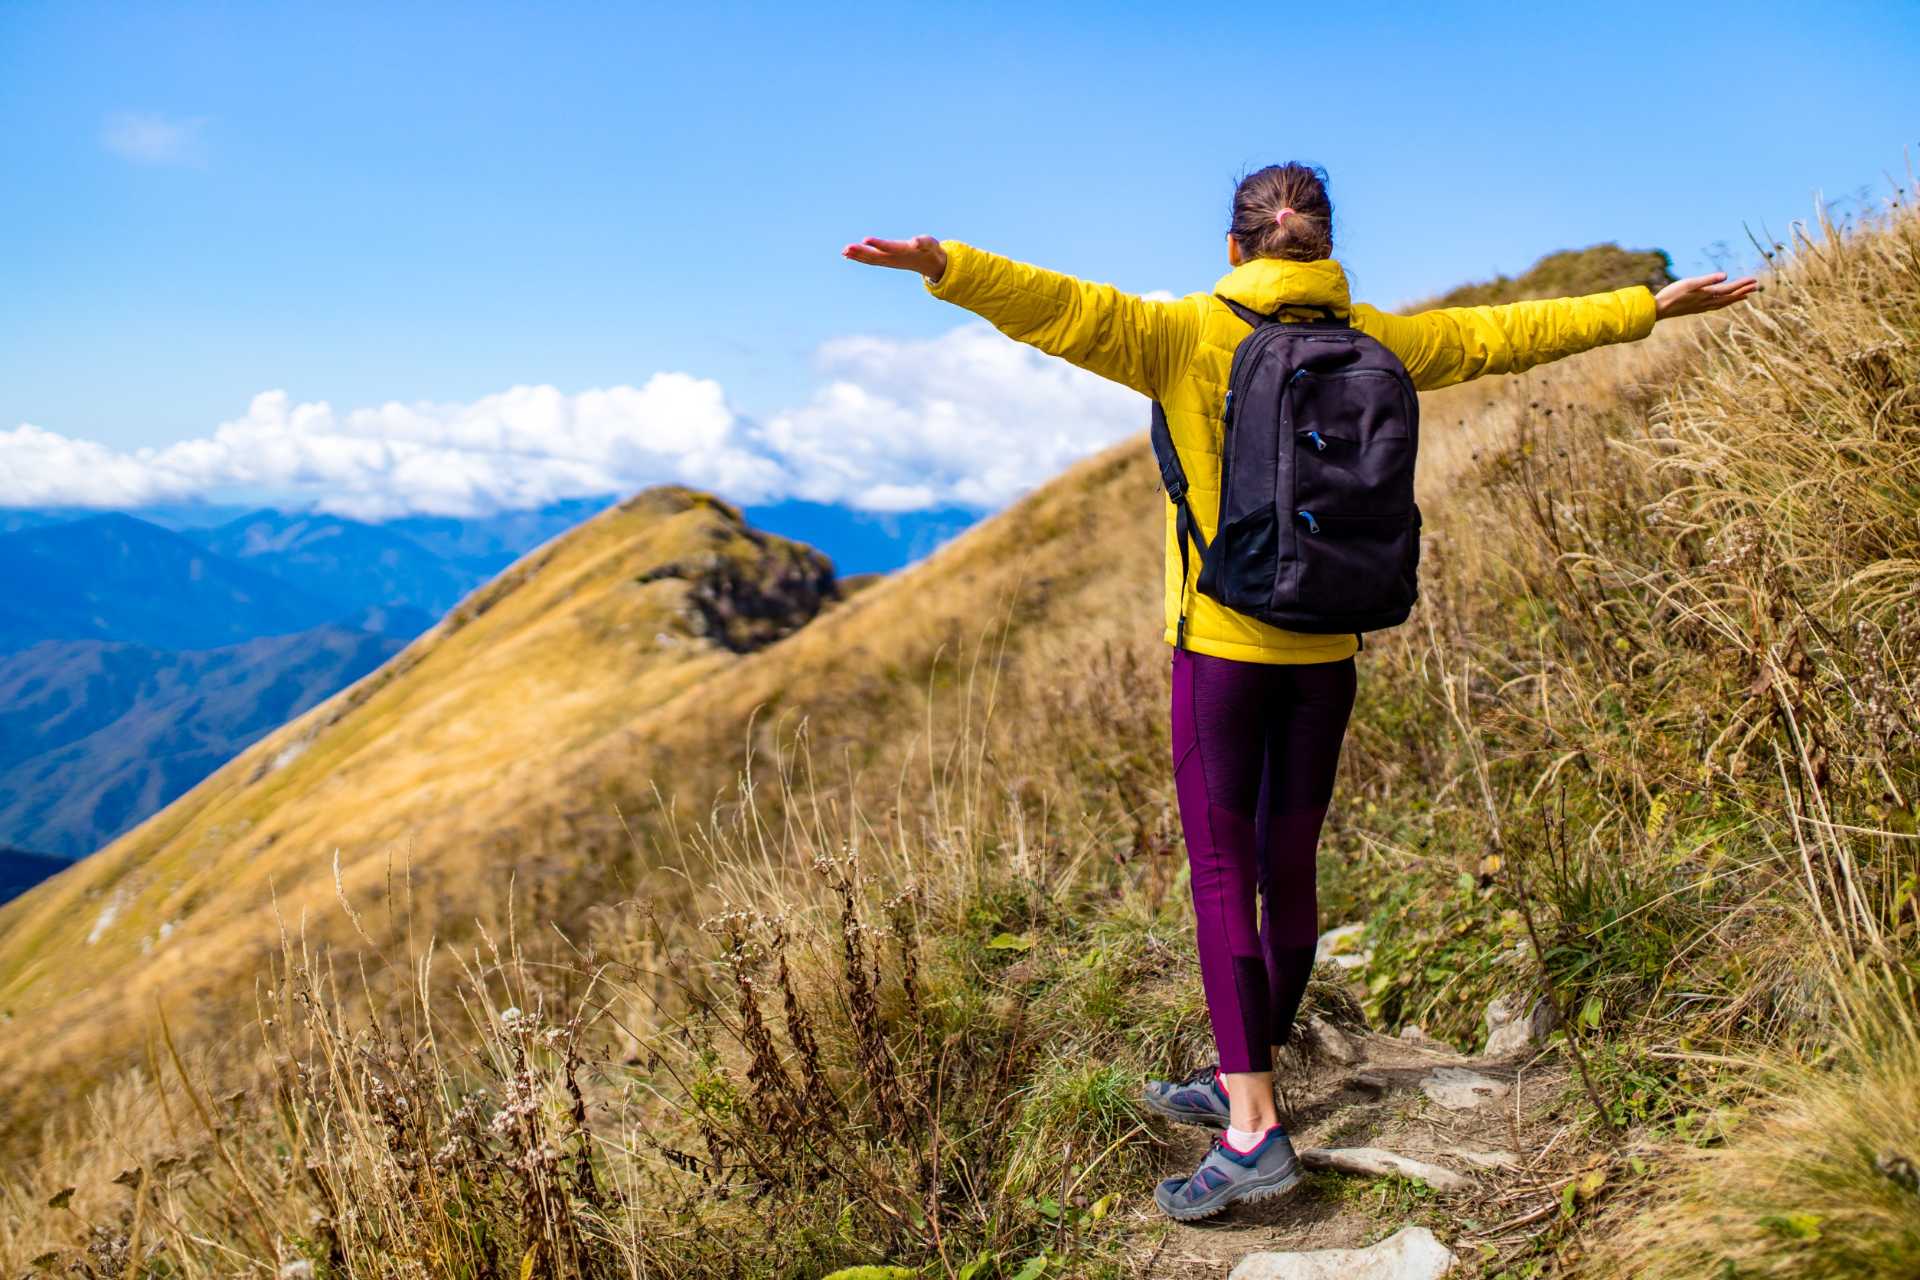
<point x="1568" y="271"/>
<point x="513" y="739"/>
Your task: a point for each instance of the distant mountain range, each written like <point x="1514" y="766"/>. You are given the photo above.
<point x="95" y="736"/>
<point x="346" y="563"/>
<point x="141" y="650"/>
<point x="115" y="577"/>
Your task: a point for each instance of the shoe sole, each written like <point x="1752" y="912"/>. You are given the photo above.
<point x="1205" y="1119"/>
<point x="1251" y="1195"/>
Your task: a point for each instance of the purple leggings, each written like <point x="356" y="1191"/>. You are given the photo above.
<point x="1255" y="746"/>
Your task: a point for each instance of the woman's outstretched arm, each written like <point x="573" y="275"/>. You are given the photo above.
<point x="1139" y="343"/>
<point x="1455" y="344"/>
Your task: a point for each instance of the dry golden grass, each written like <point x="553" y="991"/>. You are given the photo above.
<point x="1823" y="1185"/>
<point x="1663" y="698"/>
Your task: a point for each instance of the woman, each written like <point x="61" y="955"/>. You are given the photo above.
<point x="1254" y="704"/>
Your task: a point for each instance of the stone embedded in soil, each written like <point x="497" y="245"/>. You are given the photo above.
<point x="1411" y="1253"/>
<point x="1341" y="947"/>
<point x="1416" y="1035"/>
<point x="1372" y="1162"/>
<point x="1507" y="1032"/>
<point x="1510" y="1034"/>
<point x="1330" y="1043"/>
<point x="1458" y="1089"/>
<point x="1370" y="1082"/>
<point x="1487" y="1159"/>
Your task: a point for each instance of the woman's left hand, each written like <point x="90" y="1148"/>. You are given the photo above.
<point x="922" y="254"/>
<point x="1696" y="294"/>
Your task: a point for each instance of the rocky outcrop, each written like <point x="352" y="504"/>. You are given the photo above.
<point x="752" y="591"/>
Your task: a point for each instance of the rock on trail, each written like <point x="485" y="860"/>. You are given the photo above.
<point x="1487" y="1159"/>
<point x="1411" y="1253"/>
<point x="1372" y="1162"/>
<point x="1330" y="1042"/>
<point x="1458" y="1089"/>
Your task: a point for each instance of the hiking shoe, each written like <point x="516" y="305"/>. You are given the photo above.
<point x="1198" y="1099"/>
<point x="1229" y="1177"/>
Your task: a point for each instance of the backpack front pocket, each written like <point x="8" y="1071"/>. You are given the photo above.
<point x="1353" y="565"/>
<point x="1240" y="566"/>
<point x="1352" y="442"/>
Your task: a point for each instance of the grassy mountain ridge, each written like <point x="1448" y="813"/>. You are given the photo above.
<point x="550" y="656"/>
<point x="1594" y="269"/>
<point x="151" y="645"/>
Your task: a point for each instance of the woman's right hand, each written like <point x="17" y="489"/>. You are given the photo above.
<point x="1696" y="294"/>
<point x="922" y="254"/>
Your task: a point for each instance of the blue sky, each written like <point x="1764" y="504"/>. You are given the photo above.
<point x="358" y="206"/>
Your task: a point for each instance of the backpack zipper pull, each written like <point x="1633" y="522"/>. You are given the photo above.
<point x="1313" y="526"/>
<point x="1226" y="410"/>
<point x="1318" y="443"/>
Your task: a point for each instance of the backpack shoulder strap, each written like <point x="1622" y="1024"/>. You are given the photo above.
<point x="1186" y="529"/>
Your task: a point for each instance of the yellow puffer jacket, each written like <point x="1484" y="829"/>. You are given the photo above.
<point x="1180" y="353"/>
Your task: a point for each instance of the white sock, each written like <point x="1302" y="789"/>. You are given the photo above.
<point x="1243" y="1141"/>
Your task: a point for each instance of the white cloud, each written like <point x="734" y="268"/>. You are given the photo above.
<point x="967" y="419"/>
<point x="154" y="139"/>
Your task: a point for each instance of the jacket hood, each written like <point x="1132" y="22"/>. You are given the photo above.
<point x="1265" y="284"/>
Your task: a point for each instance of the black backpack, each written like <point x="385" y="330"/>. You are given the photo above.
<point x="1318" y="529"/>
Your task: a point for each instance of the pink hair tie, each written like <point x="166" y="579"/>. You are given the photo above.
<point x="1280" y="218"/>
